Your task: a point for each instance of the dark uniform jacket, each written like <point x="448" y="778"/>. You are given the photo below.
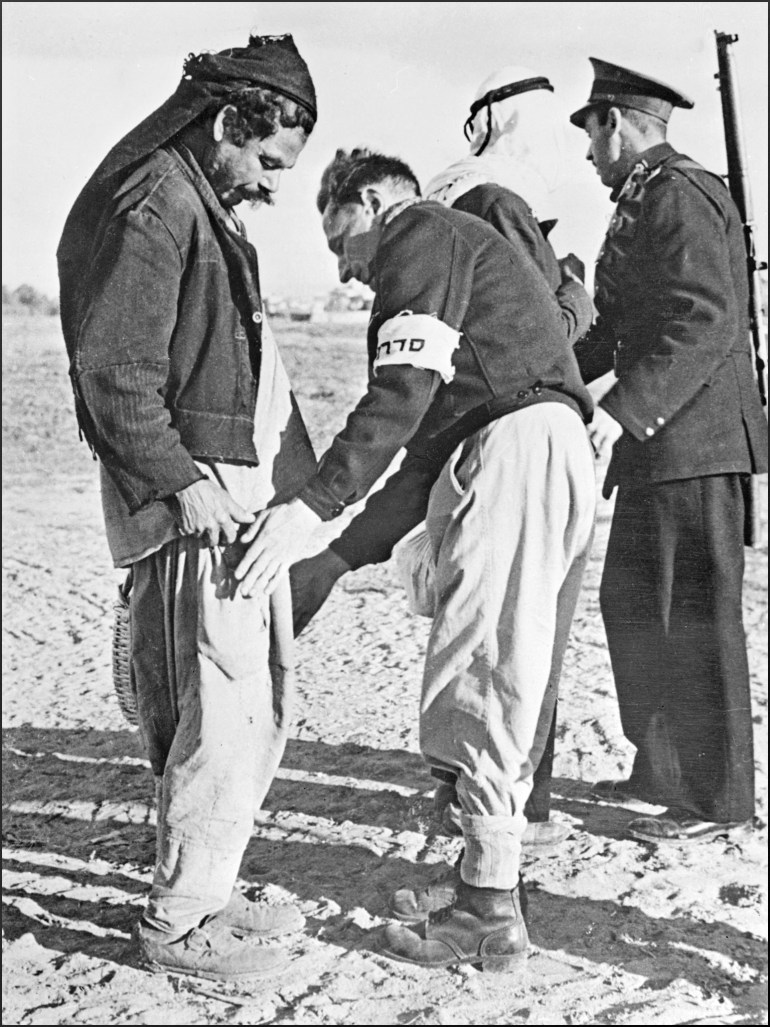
<point x="673" y="323"/>
<point x="507" y="212"/>
<point x="161" y="311"/>
<point x="512" y="352"/>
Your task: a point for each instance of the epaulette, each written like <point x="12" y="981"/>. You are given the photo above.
<point x="685" y="166"/>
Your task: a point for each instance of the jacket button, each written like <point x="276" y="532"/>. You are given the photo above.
<point x="649" y="431"/>
<point x="522" y="393"/>
<point x="660" y="421"/>
<point x="256" y="317"/>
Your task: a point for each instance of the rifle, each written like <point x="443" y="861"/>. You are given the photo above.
<point x="738" y="183"/>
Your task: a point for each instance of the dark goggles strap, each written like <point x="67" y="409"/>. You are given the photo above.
<point x="526" y="85"/>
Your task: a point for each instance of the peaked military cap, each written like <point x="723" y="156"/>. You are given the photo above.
<point x="621" y="87"/>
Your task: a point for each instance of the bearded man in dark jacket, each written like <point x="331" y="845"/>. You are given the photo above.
<point x="182" y="396"/>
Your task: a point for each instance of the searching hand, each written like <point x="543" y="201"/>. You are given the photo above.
<point x="604" y="431"/>
<point x="278" y="538"/>
<point x="311" y="582"/>
<point x="572" y="269"/>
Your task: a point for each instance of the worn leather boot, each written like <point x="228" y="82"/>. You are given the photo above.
<point x="484" y="927"/>
<point x="260" y="918"/>
<point x="413" y="905"/>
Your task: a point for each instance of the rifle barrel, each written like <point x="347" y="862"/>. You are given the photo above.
<point x="740" y="189"/>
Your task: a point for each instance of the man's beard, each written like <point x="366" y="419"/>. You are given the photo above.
<point x="262" y="197"/>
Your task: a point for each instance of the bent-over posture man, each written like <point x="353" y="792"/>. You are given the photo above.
<point x="516" y="138"/>
<point x="688" y="431"/>
<point x="471" y="372"/>
<point x="181" y="394"/>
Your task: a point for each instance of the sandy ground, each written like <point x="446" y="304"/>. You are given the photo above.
<point x="622" y="933"/>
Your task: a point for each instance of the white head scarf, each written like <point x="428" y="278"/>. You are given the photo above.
<point x="524" y="151"/>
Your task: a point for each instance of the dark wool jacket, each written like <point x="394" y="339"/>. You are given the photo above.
<point x="161" y="311"/>
<point x="675" y="328"/>
<point x="512" y="352"/>
<point x="506" y="211"/>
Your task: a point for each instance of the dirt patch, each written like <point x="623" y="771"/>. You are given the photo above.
<point x="622" y="933"/>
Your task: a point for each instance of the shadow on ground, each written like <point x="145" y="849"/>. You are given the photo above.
<point x="67" y="794"/>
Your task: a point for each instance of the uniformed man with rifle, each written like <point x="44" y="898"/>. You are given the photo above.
<point x="685" y="425"/>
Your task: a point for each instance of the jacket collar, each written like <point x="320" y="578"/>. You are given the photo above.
<point x="651" y="159"/>
<point x="657" y="154"/>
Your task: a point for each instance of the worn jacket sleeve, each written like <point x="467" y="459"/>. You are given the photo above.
<point x="390" y="513"/>
<point x="595" y="352"/>
<point x="577" y="310"/>
<point x="121" y="366"/>
<point x="420" y="270"/>
<point x="677" y="335"/>
<point x="511" y="217"/>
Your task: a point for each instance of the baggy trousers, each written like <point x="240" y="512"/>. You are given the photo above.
<point x="511" y="522"/>
<point x="214" y="677"/>
<point x="213" y="720"/>
<point x="672" y="608"/>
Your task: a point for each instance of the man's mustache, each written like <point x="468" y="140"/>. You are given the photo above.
<point x="262" y="196"/>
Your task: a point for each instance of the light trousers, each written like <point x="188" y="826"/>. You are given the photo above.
<point x="213" y="719"/>
<point x="511" y="523"/>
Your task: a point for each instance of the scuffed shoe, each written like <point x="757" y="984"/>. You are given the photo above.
<point x="677" y="826"/>
<point x="618" y="793"/>
<point x="212" y="950"/>
<point x="413" y="905"/>
<point x="544" y="834"/>
<point x="485" y="927"/>
<point x="260" y="918"/>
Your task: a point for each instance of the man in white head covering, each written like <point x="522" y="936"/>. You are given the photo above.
<point x="516" y="135"/>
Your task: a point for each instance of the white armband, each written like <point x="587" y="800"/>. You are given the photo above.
<point x="417" y="339"/>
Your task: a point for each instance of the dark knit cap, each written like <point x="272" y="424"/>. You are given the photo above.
<point x="268" y="62"/>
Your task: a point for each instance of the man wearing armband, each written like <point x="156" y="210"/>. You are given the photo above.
<point x="472" y="373"/>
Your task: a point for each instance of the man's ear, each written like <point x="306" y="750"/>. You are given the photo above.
<point x="372" y="200"/>
<point x="614" y="119"/>
<point x="220" y="129"/>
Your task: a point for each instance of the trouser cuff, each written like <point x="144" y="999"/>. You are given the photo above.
<point x="191" y="881"/>
<point x="492" y="851"/>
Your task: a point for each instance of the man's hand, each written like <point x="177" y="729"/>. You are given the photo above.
<point x="205" y="510"/>
<point x="311" y="582"/>
<point x="572" y="269"/>
<point x="604" y="431"/>
<point x="278" y="539"/>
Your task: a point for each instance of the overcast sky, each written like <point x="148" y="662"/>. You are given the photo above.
<point x="396" y="76"/>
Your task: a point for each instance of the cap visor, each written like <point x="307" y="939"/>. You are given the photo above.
<point x="579" y="117"/>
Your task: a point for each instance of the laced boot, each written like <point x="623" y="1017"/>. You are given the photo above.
<point x="413" y="905"/>
<point x="484" y="927"/>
